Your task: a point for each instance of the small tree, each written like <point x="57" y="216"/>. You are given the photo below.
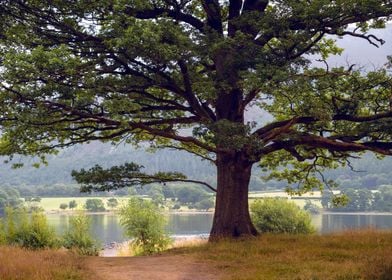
<point x="311" y="208"/>
<point x="36" y="199"/>
<point x="280" y="216"/>
<point x="190" y="195"/>
<point x="157" y="197"/>
<point x="72" y="204"/>
<point x="94" y="205"/>
<point x="168" y="192"/>
<point x="63" y="206"/>
<point x="29" y="231"/>
<point x="383" y="199"/>
<point x="144" y="223"/>
<point x="112" y="203"/>
<point x="204" y="204"/>
<point x="3" y="236"/>
<point x="78" y="236"/>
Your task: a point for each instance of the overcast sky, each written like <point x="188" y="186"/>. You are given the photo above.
<point x="358" y="51"/>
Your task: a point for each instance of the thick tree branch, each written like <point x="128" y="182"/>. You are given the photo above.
<point x="171" y="13"/>
<point x="264" y="131"/>
<point x="234" y="12"/>
<point x="213" y="11"/>
<point x="129" y="174"/>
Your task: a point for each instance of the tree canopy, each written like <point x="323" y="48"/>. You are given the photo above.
<point x="181" y="74"/>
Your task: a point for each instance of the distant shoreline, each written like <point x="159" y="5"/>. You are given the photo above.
<point x="190" y="212"/>
<point x="356" y="213"/>
<point x="72" y="212"/>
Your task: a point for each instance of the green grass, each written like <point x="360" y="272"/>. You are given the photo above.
<point x="350" y="255"/>
<point x="50" y="204"/>
<point x="53" y="203"/>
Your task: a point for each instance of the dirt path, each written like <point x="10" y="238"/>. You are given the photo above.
<point x="164" y="267"/>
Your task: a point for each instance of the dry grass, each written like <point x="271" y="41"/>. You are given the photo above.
<point x="188" y="243"/>
<point x="346" y="256"/>
<point x="20" y="264"/>
<point x="125" y="249"/>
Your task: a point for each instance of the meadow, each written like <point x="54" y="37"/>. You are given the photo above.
<point x="21" y="264"/>
<point x="350" y="255"/>
<point x="51" y="204"/>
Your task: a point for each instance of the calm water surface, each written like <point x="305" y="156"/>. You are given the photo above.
<point x="106" y="227"/>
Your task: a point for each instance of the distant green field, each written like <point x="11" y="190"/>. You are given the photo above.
<point x="53" y="203"/>
<point x="299" y="200"/>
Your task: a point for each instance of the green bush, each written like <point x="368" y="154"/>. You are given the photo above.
<point x="63" y="206"/>
<point x="311" y="208"/>
<point x="94" y="205"/>
<point x="205" y="204"/>
<point x="72" y="204"/>
<point x="145" y="225"/>
<point x="3" y="237"/>
<point x="112" y="203"/>
<point x="28" y="231"/>
<point x="280" y="216"/>
<point x="78" y="237"/>
<point x="37" y="234"/>
<point x="176" y="206"/>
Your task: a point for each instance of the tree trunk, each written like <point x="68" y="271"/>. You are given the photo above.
<point x="231" y="218"/>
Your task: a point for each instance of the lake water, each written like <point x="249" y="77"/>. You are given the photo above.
<point x="106" y="227"/>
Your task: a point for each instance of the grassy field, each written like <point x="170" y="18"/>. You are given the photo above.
<point x="346" y="256"/>
<point x="314" y="197"/>
<point x="20" y="264"/>
<point x="53" y="203"/>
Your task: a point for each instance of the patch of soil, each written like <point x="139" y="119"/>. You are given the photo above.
<point x="160" y="267"/>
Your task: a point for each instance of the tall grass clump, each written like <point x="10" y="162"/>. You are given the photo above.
<point x="21" y="264"/>
<point x="3" y="237"/>
<point x="78" y="236"/>
<point x="30" y="231"/>
<point x="145" y="224"/>
<point x="280" y="216"/>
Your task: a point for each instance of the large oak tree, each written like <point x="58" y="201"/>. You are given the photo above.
<point x="182" y="73"/>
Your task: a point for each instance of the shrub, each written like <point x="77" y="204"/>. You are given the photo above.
<point x="311" y="208"/>
<point x="94" y="205"/>
<point x="280" y="216"/>
<point x="36" y="199"/>
<point x="63" y="206"/>
<point x="38" y="234"/>
<point x="176" y="206"/>
<point x="29" y="231"/>
<point x="145" y="225"/>
<point x="78" y="237"/>
<point x="72" y="204"/>
<point x="190" y="195"/>
<point x="3" y="237"/>
<point x="112" y="203"/>
<point x="204" y="204"/>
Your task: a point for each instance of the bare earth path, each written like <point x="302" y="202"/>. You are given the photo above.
<point x="165" y="267"/>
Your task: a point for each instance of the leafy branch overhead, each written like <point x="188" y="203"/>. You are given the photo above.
<point x="127" y="175"/>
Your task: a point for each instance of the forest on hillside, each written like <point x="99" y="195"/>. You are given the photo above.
<point x="368" y="172"/>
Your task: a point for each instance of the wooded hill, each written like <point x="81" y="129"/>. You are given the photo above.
<point x="371" y="172"/>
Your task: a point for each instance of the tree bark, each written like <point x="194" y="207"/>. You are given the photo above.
<point x="231" y="218"/>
